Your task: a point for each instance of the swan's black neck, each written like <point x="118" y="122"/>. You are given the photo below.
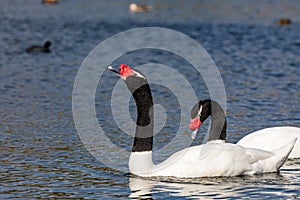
<point x="218" y="119"/>
<point x="141" y="92"/>
<point x="218" y="125"/>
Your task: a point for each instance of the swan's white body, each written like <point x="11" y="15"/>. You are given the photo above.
<point x="270" y="139"/>
<point x="214" y="158"/>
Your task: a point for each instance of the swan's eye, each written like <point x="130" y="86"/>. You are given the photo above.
<point x="137" y="74"/>
<point x="199" y="112"/>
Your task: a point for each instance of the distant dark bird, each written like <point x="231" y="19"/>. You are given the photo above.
<point x="139" y="8"/>
<point x="284" y="21"/>
<point x="49" y="1"/>
<point x="37" y="48"/>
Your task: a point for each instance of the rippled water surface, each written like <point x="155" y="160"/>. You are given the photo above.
<point x="41" y="154"/>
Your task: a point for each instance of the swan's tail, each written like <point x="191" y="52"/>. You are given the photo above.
<point x="274" y="162"/>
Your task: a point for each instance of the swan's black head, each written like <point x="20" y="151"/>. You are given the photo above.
<point x="47" y="44"/>
<point x="201" y="111"/>
<point x="133" y="78"/>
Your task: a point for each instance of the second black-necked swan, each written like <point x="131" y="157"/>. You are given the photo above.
<point x="214" y="158"/>
<point x="268" y="139"/>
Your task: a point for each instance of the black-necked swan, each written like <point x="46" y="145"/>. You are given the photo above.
<point x="214" y="158"/>
<point x="268" y="139"/>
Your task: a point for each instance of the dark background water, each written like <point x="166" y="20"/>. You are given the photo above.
<point x="41" y="154"/>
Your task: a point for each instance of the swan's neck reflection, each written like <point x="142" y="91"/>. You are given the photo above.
<point x="140" y="188"/>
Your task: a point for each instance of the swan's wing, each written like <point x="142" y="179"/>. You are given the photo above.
<point x="255" y="155"/>
<point x="265" y="162"/>
<point x="270" y="139"/>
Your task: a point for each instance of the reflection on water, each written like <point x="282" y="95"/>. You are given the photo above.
<point x="41" y="155"/>
<point x="222" y="187"/>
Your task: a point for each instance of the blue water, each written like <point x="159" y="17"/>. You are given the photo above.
<point x="41" y="154"/>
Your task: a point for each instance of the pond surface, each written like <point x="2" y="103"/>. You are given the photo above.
<point x="41" y="154"/>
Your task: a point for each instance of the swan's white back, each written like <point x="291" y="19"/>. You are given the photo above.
<point x="270" y="139"/>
